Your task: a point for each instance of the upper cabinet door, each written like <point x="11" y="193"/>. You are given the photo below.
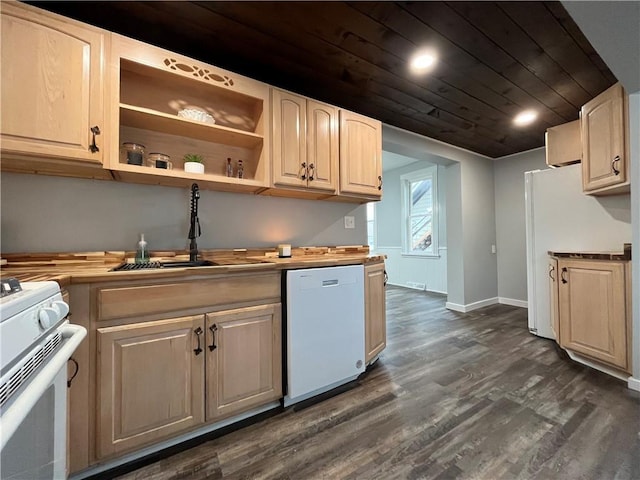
<point x="605" y="161"/>
<point x="289" y="139"/>
<point x="52" y="86"/>
<point x="360" y="155"/>
<point x="563" y="144"/>
<point x="322" y="146"/>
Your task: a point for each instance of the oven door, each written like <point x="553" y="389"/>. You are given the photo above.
<point x="33" y="426"/>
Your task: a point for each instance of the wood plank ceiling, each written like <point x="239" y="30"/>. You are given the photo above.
<point x="495" y="59"/>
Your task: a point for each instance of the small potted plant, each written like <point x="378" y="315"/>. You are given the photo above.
<point x="193" y="163"/>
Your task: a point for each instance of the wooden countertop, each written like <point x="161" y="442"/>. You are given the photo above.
<point x="88" y="267"/>
<point x="625" y="255"/>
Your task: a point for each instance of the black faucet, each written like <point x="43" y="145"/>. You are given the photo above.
<point x="194" y="226"/>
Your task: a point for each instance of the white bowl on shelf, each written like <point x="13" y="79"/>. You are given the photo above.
<point x="197" y="115"/>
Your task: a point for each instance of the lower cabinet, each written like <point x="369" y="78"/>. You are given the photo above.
<point x="156" y="379"/>
<point x="150" y="382"/>
<point x="375" y="310"/>
<point x="244" y="359"/>
<point x="594" y="309"/>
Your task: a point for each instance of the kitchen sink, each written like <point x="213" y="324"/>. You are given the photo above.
<point x="155" y="265"/>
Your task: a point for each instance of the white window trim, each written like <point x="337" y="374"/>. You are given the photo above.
<point x="405" y="180"/>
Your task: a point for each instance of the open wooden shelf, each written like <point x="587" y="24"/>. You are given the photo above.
<point x="148" y="119"/>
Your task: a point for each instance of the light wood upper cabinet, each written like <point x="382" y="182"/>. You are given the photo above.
<point x="305" y="143"/>
<point x="151" y="89"/>
<point x="375" y="310"/>
<point x="563" y="145"/>
<point x="150" y="382"/>
<point x="244" y="359"/>
<point x="605" y="163"/>
<point x="360" y="155"/>
<point x="53" y="87"/>
<point x="593" y="307"/>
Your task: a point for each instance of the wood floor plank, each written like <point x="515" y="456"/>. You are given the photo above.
<point x="454" y="395"/>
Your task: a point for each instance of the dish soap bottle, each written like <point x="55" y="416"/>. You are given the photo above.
<point x="142" y="253"/>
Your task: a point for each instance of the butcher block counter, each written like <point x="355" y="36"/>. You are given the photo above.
<point x="88" y="267"/>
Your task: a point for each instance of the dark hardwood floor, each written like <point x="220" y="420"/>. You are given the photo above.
<point x="470" y="396"/>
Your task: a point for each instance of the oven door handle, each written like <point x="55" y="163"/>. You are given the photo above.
<point x="17" y="411"/>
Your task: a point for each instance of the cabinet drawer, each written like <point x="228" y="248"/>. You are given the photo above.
<point x="137" y="300"/>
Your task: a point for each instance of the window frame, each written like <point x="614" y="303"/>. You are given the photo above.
<point x="406" y="180"/>
<point x="374" y="221"/>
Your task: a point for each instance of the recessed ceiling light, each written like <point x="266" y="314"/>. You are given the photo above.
<point x="525" y="118"/>
<point x="422" y="62"/>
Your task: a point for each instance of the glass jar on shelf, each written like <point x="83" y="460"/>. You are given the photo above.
<point x="132" y="153"/>
<point x="159" y="160"/>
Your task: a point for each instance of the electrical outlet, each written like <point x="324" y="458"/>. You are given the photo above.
<point x="493" y="249"/>
<point x="349" y="222"/>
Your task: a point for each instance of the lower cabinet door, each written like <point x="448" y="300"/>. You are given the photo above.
<point x="593" y="309"/>
<point x="244" y="359"/>
<point x="150" y="382"/>
<point x="374" y="310"/>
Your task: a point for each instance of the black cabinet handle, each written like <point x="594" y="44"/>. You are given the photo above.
<point x="386" y="278"/>
<point x="551" y="269"/>
<point x="198" y="331"/>
<point x="379" y="182"/>
<point x="304" y="170"/>
<point x="213" y="345"/>
<point x="311" y="169"/>
<point x="564" y="270"/>
<point x="93" y="147"/>
<point x="75" y="372"/>
<point x="613" y="165"/>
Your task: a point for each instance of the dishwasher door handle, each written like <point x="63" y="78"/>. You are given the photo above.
<point x="330" y="283"/>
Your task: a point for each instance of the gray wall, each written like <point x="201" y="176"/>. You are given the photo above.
<point x="431" y="271"/>
<point x="479" y="231"/>
<point x="49" y="214"/>
<point x="510" y="221"/>
<point x="473" y="224"/>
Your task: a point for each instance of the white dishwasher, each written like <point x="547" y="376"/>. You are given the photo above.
<point x="325" y="329"/>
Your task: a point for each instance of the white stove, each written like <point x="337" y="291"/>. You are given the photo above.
<point x="36" y="341"/>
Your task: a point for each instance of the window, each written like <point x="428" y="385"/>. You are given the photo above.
<point x="420" y="212"/>
<point x="371" y="225"/>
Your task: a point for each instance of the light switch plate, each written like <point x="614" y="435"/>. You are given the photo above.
<point x="349" y="222"/>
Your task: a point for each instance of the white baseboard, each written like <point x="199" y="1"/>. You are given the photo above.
<point x="405" y="286"/>
<point x="513" y="302"/>
<point x="471" y="306"/>
<point x="633" y="384"/>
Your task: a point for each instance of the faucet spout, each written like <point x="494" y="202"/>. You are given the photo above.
<point x="194" y="225"/>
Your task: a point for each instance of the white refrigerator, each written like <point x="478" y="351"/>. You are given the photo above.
<point x="560" y="217"/>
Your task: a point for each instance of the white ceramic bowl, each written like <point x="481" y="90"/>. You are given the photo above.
<point x="197" y="115"/>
